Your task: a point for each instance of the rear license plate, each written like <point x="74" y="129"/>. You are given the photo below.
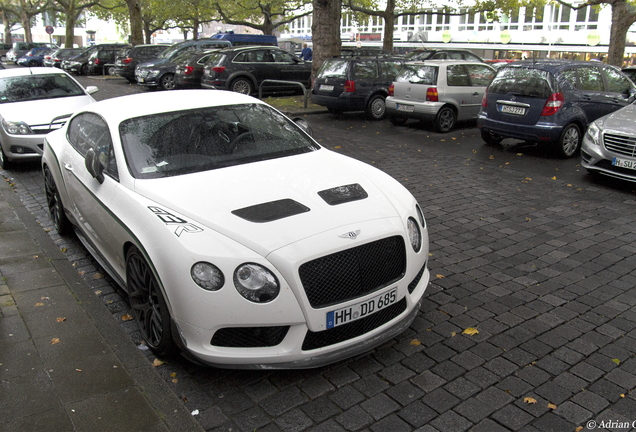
<point x="407" y="108"/>
<point x="360" y="310"/>
<point x="512" y="109"/>
<point x="624" y="163"/>
<point x="326" y="87"/>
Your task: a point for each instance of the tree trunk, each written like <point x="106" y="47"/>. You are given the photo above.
<point x="623" y="16"/>
<point x="69" y="32"/>
<point x="147" y="33"/>
<point x="325" y="29"/>
<point x="7" y="28"/>
<point x="26" y="22"/>
<point x="136" y="33"/>
<point x="389" y="17"/>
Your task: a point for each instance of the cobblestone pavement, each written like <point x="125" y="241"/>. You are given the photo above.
<point x="544" y="270"/>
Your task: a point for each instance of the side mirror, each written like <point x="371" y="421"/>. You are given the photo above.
<point x="94" y="166"/>
<point x="304" y="125"/>
<point x="91" y="89"/>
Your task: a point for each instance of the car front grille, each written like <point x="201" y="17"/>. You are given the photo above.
<point x="249" y="337"/>
<point x="315" y="340"/>
<point x="353" y="272"/>
<point x="620" y="144"/>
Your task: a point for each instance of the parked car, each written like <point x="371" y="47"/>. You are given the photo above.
<point x="189" y="70"/>
<point x="322" y="261"/>
<point x="102" y="60"/>
<point x="246" y="39"/>
<point x="128" y="58"/>
<point x="4" y="49"/>
<point x="442" y="92"/>
<point x="21" y="48"/>
<point x="34" y="58"/>
<point x="551" y="101"/>
<point x="159" y="72"/>
<point x="630" y="71"/>
<point x="355" y="84"/>
<point x="55" y="58"/>
<point x="363" y="52"/>
<point x="442" y="54"/>
<point x="34" y="102"/>
<point x="609" y="146"/>
<point x="79" y="63"/>
<point x="243" y="69"/>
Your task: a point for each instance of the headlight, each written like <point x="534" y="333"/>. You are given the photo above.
<point x="420" y="216"/>
<point x="207" y="276"/>
<point x="415" y="235"/>
<point x="153" y="73"/>
<point x="17" y="128"/>
<point x="593" y="134"/>
<point x="256" y="283"/>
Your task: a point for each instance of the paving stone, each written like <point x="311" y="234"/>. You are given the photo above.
<point x="448" y="370"/>
<point x="482" y="377"/>
<point x="440" y="352"/>
<point x="487" y="425"/>
<point x="568" y="355"/>
<point x="396" y="373"/>
<point x="354" y="419"/>
<point x="440" y="400"/>
<point x="552" y="365"/>
<point x="417" y="414"/>
<point x="607" y="390"/>
<point x="587" y="371"/>
<point x="573" y="413"/>
<point x="590" y="401"/>
<point x="371" y="385"/>
<point x="320" y="409"/>
<point x="468" y="360"/>
<point x="535" y="409"/>
<point x="346" y="397"/>
<point x="570" y="382"/>
<point x="626" y="407"/>
<point x="451" y="422"/>
<point x="462" y="388"/>
<point x="486" y="350"/>
<point x="514" y="386"/>
<point x="533" y="375"/>
<point x="474" y="409"/>
<point x="293" y="421"/>
<point x="519" y="357"/>
<point x="536" y="348"/>
<point x="553" y="392"/>
<point x="405" y="393"/>
<point x="392" y="423"/>
<point x="512" y="417"/>
<point x="501" y="366"/>
<point x="622" y="379"/>
<point x="380" y="406"/>
<point x="550" y="422"/>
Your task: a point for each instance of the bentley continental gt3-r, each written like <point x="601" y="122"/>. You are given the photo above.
<point x="239" y="239"/>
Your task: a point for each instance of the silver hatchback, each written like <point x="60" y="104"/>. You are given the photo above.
<point x="439" y="91"/>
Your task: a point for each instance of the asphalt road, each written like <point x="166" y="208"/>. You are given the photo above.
<point x="528" y="249"/>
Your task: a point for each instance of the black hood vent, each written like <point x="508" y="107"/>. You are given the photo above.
<point x="343" y="194"/>
<point x="271" y="211"/>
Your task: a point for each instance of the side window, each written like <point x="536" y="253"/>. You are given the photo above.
<point x="569" y="75"/>
<point x="453" y="55"/>
<point x="88" y="131"/>
<point x="203" y="59"/>
<point x="439" y="56"/>
<point x="591" y="79"/>
<point x="616" y="82"/>
<point x="480" y="75"/>
<point x="282" y="57"/>
<point x="366" y="70"/>
<point x="241" y="58"/>
<point x="456" y="76"/>
<point x="390" y="69"/>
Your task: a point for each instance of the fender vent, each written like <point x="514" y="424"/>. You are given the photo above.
<point x="343" y="194"/>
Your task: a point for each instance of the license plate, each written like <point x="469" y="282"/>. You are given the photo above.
<point x="360" y="310"/>
<point x="326" y="87"/>
<point x="624" y="163"/>
<point x="407" y="108"/>
<point x="140" y="80"/>
<point x="513" y="109"/>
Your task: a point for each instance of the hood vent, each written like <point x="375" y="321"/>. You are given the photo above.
<point x="343" y="194"/>
<point x="271" y="211"/>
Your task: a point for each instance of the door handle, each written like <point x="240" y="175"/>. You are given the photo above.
<point x="68" y="167"/>
<point x="476" y="94"/>
<point x="587" y="97"/>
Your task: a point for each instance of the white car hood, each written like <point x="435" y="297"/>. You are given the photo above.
<point x="42" y="111"/>
<point x="208" y="198"/>
<point x="621" y="120"/>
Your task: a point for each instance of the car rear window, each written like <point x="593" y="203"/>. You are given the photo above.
<point x="523" y="81"/>
<point x="336" y="68"/>
<point x="418" y="74"/>
<point x="215" y="59"/>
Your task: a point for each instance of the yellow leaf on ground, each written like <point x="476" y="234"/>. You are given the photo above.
<point x="554" y="178"/>
<point x="470" y="331"/>
<point x="38" y="304"/>
<point x="126" y="317"/>
<point x="173" y="374"/>
<point x="552" y="406"/>
<point x="415" y="342"/>
<point x="622" y="395"/>
<point x="579" y="429"/>
<point x="157" y="363"/>
<point x="55" y="341"/>
<point x="453" y="334"/>
<point x="174" y="381"/>
<point x="440" y="276"/>
<point x="530" y="400"/>
<point x="61" y="319"/>
<point x="617" y="361"/>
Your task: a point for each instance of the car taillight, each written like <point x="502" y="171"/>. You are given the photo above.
<point x="391" y="89"/>
<point x="96" y="61"/>
<point x="188" y="70"/>
<point x="350" y="86"/>
<point x="553" y="104"/>
<point x="431" y="94"/>
<point x="218" y="69"/>
<point x="484" y="100"/>
<point x="126" y="60"/>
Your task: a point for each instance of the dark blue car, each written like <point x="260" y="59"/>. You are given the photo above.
<point x="551" y="101"/>
<point x="35" y="57"/>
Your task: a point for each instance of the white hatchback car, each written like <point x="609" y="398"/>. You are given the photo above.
<point x="443" y="92"/>
<point x="238" y="238"/>
<point x="34" y="102"/>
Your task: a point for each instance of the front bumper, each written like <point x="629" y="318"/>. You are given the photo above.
<point x="598" y="159"/>
<point x="22" y="147"/>
<point x="539" y="132"/>
<point x="144" y="79"/>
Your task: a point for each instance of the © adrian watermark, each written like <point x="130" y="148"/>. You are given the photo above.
<point x="610" y="424"/>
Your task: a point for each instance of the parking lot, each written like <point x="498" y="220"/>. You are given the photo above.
<point x="528" y="323"/>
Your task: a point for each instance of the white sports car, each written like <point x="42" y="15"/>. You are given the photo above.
<point x="238" y="238"/>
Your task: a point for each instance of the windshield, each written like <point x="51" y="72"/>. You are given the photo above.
<point x="418" y="74"/>
<point x="522" y="81"/>
<point x="333" y="69"/>
<point x="182" y="142"/>
<point x="36" y="87"/>
<point x="170" y="50"/>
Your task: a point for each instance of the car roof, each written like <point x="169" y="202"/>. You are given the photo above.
<point x="116" y="110"/>
<point x="13" y="72"/>
<point x="446" y="62"/>
<point x="552" y="64"/>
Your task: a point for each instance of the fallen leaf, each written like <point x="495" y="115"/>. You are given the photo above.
<point x="440" y="276"/>
<point x="63" y="250"/>
<point x="38" y="304"/>
<point x="55" y="341"/>
<point x="173" y="374"/>
<point x="98" y="276"/>
<point x="622" y="395"/>
<point x="453" y="334"/>
<point x="579" y="429"/>
<point x="554" y="178"/>
<point x="78" y="370"/>
<point x="471" y="331"/>
<point x="530" y="400"/>
<point x="61" y="319"/>
<point x="415" y="342"/>
<point x="552" y="406"/>
<point x="617" y="361"/>
<point x="98" y="292"/>
<point x="174" y="381"/>
<point x="157" y="363"/>
<point x="126" y="317"/>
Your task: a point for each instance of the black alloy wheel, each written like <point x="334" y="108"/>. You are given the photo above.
<point x="54" y="204"/>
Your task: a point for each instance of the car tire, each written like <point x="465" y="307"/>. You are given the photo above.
<point x="167" y="82"/>
<point x="569" y="142"/>
<point x="148" y="304"/>
<point x="54" y="204"/>
<point x="445" y="120"/>
<point x="131" y="80"/>
<point x="490" y="139"/>
<point x="83" y="70"/>
<point x="32" y="63"/>
<point x="398" y="121"/>
<point x="376" y="108"/>
<point x="5" y="163"/>
<point x="242" y="85"/>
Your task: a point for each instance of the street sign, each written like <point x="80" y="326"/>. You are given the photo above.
<point x="49" y="30"/>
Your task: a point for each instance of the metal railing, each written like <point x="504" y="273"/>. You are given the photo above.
<point x="269" y="81"/>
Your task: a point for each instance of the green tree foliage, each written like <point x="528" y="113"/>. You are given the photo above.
<point x="10" y="17"/>
<point x="263" y="15"/>
<point x="71" y="11"/>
